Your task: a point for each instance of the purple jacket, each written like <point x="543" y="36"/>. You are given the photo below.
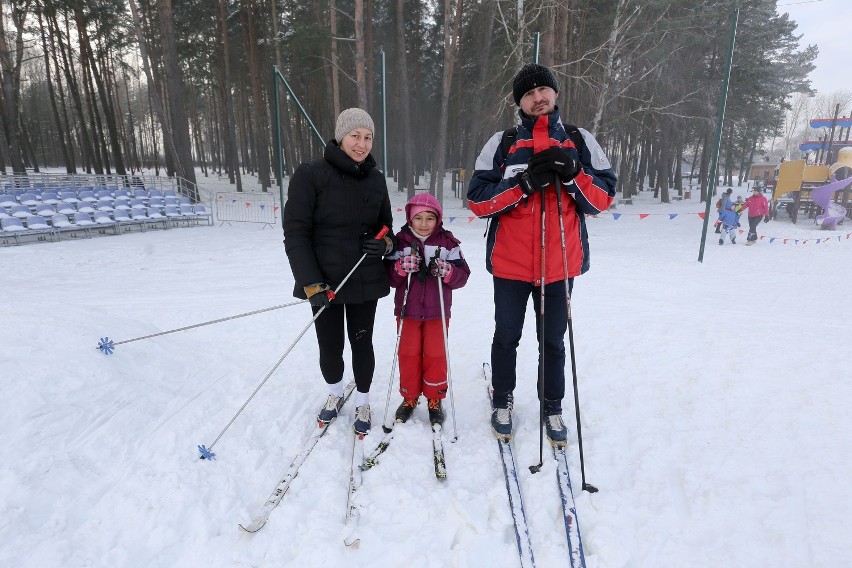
<point x="423" y="302"/>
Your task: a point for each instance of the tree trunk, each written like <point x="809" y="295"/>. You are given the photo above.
<point x="406" y="178"/>
<point x="228" y="132"/>
<point x="177" y="107"/>
<point x="360" y="72"/>
<point x="451" y="41"/>
<point x="261" y="135"/>
<point x="11" y="79"/>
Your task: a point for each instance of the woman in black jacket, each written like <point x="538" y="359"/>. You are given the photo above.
<point x="335" y="208"/>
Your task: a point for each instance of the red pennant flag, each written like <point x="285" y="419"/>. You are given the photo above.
<point x="643" y="215"/>
<point x="701" y="215"/>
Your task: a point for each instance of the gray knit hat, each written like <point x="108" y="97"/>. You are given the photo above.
<point x="349" y="120"/>
<point x="530" y="76"/>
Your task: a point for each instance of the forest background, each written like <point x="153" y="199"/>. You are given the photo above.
<point x="108" y="86"/>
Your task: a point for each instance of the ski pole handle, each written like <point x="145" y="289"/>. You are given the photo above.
<point x="381" y="234"/>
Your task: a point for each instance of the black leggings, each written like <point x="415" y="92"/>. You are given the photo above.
<point x="359" y="328"/>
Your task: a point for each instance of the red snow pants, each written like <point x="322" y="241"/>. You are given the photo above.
<point x="422" y="359"/>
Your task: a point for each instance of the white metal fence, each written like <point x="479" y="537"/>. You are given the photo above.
<point x="247" y="207"/>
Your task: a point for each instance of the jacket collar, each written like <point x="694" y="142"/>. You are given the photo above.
<point x="528" y="122"/>
<point x="341" y="161"/>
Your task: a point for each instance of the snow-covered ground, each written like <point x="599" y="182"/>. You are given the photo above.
<point x="714" y="398"/>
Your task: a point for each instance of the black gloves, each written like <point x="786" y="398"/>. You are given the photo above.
<point x="374" y="247"/>
<point x="557" y="160"/>
<point x="319" y="295"/>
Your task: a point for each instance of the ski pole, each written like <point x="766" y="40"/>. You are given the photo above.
<point x="586" y="486"/>
<point x="536" y="468"/>
<point x="107" y="346"/>
<point x="206" y="452"/>
<point x="386" y="426"/>
<point x="446" y="349"/>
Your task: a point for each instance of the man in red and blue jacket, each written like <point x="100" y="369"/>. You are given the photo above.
<point x="510" y="185"/>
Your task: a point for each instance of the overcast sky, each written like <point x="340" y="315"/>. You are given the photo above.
<point x="826" y="24"/>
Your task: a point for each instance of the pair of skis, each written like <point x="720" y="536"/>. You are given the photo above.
<point x="358" y="464"/>
<point x="259" y="520"/>
<point x="516" y="499"/>
<point x="437" y="451"/>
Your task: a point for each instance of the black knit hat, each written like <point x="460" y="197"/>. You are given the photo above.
<point x="530" y="76"/>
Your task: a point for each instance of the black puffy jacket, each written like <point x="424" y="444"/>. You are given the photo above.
<point x="332" y="202"/>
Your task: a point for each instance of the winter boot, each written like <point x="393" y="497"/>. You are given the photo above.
<point x="733" y="240"/>
<point x="436" y="412"/>
<point x="556" y="431"/>
<point x="405" y="410"/>
<point x="722" y="241"/>
<point x="328" y="413"/>
<point x="362" y="420"/>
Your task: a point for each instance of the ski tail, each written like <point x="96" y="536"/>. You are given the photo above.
<point x="569" y="510"/>
<point x="513" y="490"/>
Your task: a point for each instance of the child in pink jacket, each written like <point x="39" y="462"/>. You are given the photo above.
<point x="425" y="253"/>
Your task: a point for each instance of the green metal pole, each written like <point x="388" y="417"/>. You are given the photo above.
<point x="720" y="119"/>
<point x="278" y="153"/>
<point x="536" y="44"/>
<point x="301" y="108"/>
<point x="384" y="117"/>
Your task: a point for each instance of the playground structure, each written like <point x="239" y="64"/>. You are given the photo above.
<point x="820" y="191"/>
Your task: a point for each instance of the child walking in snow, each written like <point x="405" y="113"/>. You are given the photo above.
<point x="425" y="252"/>
<point x="728" y="218"/>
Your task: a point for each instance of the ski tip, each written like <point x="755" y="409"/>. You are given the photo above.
<point x="352" y="541"/>
<point x="253" y="526"/>
<point x="386" y="429"/>
<point x="206" y="454"/>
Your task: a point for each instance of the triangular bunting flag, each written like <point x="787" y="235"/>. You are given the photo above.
<point x="616" y="216"/>
<point x="471" y="218"/>
<point x="643" y="215"/>
<point x="452" y="219"/>
<point x="248" y="204"/>
<point x="701" y="215"/>
<point x="672" y="216"/>
<point x="771" y="240"/>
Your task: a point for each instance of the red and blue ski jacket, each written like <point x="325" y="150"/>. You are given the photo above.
<point x="514" y="247"/>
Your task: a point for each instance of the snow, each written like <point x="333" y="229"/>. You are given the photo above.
<point x="714" y="401"/>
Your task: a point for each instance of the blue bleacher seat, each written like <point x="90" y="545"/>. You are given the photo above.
<point x="104" y="194"/>
<point x="87" y="196"/>
<point x="103" y="218"/>
<point x="68" y="197"/>
<point x="60" y="221"/>
<point x="45" y="210"/>
<point x="20" y="211"/>
<point x="86" y="207"/>
<point x="137" y="203"/>
<point x="67" y="208"/>
<point x="50" y="197"/>
<point x="37" y="223"/>
<point x="121" y="203"/>
<point x="105" y="205"/>
<point x="7" y="200"/>
<point x="12" y="225"/>
<point x="121" y="193"/>
<point x="28" y="199"/>
<point x="83" y="219"/>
